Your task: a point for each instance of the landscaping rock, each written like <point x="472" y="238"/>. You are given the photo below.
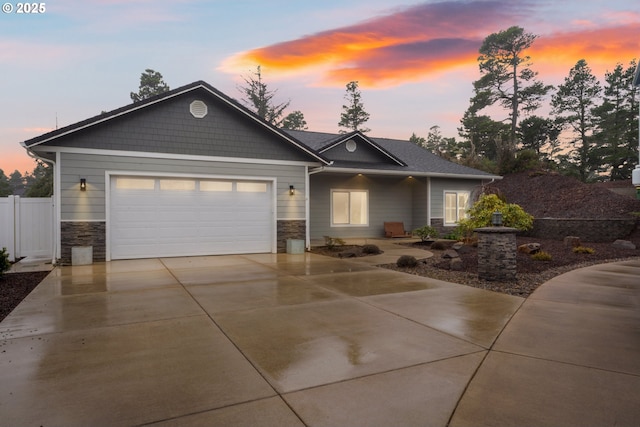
<point x="456" y="264"/>
<point x="572" y="241"/>
<point x="623" y="244"/>
<point x="450" y="253"/>
<point x="464" y="249"/>
<point x="349" y="254"/>
<point x="442" y="244"/>
<point x="529" y="248"/>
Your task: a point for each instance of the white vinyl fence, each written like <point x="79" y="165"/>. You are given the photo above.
<point x="26" y="226"/>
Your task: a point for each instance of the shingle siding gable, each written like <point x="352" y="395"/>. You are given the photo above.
<point x="169" y="127"/>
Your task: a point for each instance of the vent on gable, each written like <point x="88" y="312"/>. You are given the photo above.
<point x="351" y="146"/>
<point x="198" y="109"/>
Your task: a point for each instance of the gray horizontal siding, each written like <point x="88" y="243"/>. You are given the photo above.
<point x="90" y="205"/>
<point x="390" y="199"/>
<point x="439" y="186"/>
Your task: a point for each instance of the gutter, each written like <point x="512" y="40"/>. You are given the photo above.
<point x="406" y="173"/>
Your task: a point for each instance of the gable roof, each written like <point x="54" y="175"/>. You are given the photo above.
<point x="146" y="103"/>
<point x="413" y="159"/>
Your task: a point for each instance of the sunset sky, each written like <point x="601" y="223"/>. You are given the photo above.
<point x="415" y="61"/>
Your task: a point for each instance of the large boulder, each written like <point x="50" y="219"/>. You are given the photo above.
<point x="450" y="253"/>
<point x="529" y="248"/>
<point x="623" y="244"/>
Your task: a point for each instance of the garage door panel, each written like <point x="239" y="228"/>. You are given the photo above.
<point x="185" y="219"/>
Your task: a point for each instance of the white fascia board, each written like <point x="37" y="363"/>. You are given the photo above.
<point x="170" y="156"/>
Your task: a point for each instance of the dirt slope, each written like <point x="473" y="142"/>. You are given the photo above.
<point x="551" y="195"/>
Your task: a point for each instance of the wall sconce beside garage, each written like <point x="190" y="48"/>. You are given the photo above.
<point x="83" y="184"/>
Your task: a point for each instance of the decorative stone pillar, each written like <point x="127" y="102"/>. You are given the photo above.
<point x="497" y="253"/>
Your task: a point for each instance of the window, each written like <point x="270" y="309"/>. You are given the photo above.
<point x="455" y="206"/>
<point x="252" y="187"/>
<point x="349" y="207"/>
<point x="135" y="183"/>
<point x="217" y="186"/>
<point x="177" y="185"/>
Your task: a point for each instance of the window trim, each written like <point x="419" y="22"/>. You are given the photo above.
<point x="457" y="208"/>
<point x="348" y="190"/>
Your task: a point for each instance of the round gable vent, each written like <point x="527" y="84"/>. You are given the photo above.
<point x="351" y="146"/>
<point x="198" y="109"/>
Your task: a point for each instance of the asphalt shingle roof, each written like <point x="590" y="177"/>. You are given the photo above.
<point x="419" y="161"/>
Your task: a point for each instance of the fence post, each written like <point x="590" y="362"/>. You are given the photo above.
<point x="11" y="228"/>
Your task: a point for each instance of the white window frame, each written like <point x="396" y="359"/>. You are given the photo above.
<point x="460" y="211"/>
<point x="349" y="191"/>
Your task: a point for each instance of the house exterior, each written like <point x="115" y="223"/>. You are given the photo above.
<point x="193" y="172"/>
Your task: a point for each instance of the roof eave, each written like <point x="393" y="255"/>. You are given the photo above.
<point x="365" y="171"/>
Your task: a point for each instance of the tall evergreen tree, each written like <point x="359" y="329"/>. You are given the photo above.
<point x="507" y="78"/>
<point x="43" y="181"/>
<point x="353" y="115"/>
<point x="540" y="135"/>
<point x="616" y="136"/>
<point x="295" y="121"/>
<point x="5" y="187"/>
<point x="151" y="84"/>
<point x="573" y="103"/>
<point x="258" y="97"/>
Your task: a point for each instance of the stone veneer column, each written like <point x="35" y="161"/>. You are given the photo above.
<point x="81" y="233"/>
<point x="496" y="253"/>
<point x="290" y="229"/>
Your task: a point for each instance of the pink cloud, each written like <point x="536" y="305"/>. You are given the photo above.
<point x="415" y="43"/>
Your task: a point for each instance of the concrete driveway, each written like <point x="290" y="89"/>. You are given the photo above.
<point x="309" y="340"/>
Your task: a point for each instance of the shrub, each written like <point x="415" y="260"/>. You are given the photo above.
<point x="426" y="233"/>
<point x="439" y="246"/>
<point x="541" y="256"/>
<point x="4" y="261"/>
<point x="407" y="261"/>
<point x="371" y="249"/>
<point x="454" y="234"/>
<point x="583" y="250"/>
<point x="333" y="242"/>
<point x="480" y="215"/>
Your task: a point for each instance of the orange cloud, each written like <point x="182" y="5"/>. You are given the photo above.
<point x="602" y="48"/>
<point x="427" y="40"/>
<point x="369" y="52"/>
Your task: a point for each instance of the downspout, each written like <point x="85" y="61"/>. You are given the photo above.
<point x="34" y="156"/>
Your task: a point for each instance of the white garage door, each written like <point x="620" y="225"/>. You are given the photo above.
<point x="162" y="217"/>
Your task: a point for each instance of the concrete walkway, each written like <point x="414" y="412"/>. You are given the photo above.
<point x="299" y="340"/>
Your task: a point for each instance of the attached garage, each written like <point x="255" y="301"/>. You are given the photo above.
<point x="163" y="216"/>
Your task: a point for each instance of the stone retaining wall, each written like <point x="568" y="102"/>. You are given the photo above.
<point x="589" y="230"/>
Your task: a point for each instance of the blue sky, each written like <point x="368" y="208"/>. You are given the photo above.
<point x="415" y="60"/>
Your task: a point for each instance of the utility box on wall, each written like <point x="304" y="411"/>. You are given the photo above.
<point x="82" y="255"/>
<point x="295" y="246"/>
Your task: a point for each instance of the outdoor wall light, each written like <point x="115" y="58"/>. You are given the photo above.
<point x="292" y="190"/>
<point x="83" y="184"/>
<point x="496" y="219"/>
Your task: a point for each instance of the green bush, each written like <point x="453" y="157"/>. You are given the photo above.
<point x="407" y="261"/>
<point x="541" y="256"/>
<point x="5" y="265"/>
<point x="481" y="212"/>
<point x="426" y="233"/>
<point x="333" y="242"/>
<point x="583" y="250"/>
<point x="371" y="249"/>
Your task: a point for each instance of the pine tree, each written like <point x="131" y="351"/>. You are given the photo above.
<point x="353" y="114"/>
